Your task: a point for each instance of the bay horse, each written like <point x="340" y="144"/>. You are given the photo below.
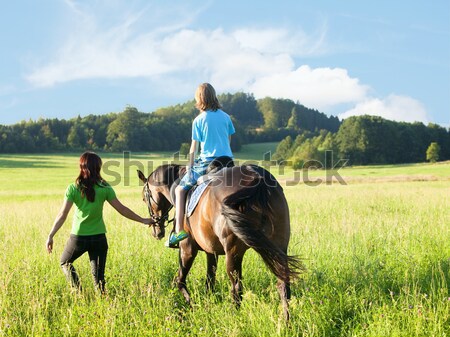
<point x="243" y="207"/>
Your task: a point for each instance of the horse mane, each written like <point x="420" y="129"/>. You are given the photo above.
<point x="166" y="174"/>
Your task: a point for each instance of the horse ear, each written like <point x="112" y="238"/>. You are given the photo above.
<point x="141" y="176"/>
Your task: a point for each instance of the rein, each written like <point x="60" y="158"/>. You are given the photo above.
<point x="156" y="218"/>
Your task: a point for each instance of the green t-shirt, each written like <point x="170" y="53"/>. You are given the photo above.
<point x="88" y="217"/>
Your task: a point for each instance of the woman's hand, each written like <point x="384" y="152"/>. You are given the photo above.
<point x="49" y="244"/>
<point x="148" y="221"/>
<point x="59" y="221"/>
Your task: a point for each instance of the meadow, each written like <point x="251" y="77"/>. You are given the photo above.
<point x="376" y="252"/>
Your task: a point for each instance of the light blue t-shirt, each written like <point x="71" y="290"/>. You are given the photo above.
<point x="212" y="129"/>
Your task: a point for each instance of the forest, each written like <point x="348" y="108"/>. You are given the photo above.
<point x="304" y="134"/>
<point x="364" y="140"/>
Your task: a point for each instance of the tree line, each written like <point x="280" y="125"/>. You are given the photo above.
<point x="164" y="129"/>
<point x="367" y="140"/>
<point x="305" y="135"/>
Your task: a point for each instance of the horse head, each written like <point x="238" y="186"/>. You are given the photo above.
<point x="156" y="195"/>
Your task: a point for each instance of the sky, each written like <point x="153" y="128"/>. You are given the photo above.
<point x="64" y="58"/>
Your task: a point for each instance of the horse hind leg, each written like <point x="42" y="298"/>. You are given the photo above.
<point x="284" y="289"/>
<point x="211" y="272"/>
<point x="234" y="271"/>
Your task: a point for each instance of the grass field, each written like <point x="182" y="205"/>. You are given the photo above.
<point x="377" y="253"/>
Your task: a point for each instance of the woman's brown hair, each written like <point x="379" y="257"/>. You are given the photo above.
<point x="206" y="99"/>
<point x="90" y="166"/>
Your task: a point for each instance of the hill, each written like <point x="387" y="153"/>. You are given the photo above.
<point x="164" y="129"/>
<point x="305" y="135"/>
<point x="364" y="140"/>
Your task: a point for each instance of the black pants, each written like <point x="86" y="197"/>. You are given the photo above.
<point x="97" y="248"/>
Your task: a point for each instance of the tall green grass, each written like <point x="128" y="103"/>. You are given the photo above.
<point x="377" y="256"/>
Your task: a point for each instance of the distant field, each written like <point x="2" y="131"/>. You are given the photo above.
<point x="258" y="151"/>
<point x="438" y="170"/>
<point x="377" y="253"/>
<point x="425" y="171"/>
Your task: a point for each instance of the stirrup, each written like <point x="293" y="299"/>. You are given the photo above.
<point x="167" y="243"/>
<point x="175" y="238"/>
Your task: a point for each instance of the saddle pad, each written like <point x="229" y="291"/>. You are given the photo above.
<point x="195" y="195"/>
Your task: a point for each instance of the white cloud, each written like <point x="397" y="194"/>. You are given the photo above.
<point x="219" y="58"/>
<point x="93" y="52"/>
<point x="393" y="107"/>
<point x="175" y="58"/>
<point x="214" y="54"/>
<point x="245" y="59"/>
<point x="318" y="88"/>
<point x="282" y="41"/>
<point x="129" y="47"/>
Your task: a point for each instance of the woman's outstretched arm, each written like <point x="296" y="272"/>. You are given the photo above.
<point x="128" y="213"/>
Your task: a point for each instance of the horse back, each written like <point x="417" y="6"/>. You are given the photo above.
<point x="268" y="208"/>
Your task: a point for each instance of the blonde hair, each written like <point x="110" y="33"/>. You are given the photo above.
<point x="205" y="98"/>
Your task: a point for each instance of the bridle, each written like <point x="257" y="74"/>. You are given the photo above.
<point x="162" y="220"/>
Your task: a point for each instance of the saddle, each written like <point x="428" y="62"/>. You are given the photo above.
<point x="196" y="192"/>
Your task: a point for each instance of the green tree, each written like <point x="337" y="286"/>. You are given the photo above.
<point x="441" y="136"/>
<point x="77" y="137"/>
<point x="276" y="112"/>
<point x="433" y="152"/>
<point x="48" y="141"/>
<point x="293" y="121"/>
<point x="329" y="143"/>
<point x="127" y="132"/>
<point x="284" y="149"/>
<point x="306" y="155"/>
<point x="184" y="149"/>
<point x="243" y="108"/>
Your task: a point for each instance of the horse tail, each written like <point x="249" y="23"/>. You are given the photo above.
<point x="251" y="202"/>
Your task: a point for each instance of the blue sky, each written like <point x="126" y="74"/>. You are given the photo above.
<point x="63" y="58"/>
